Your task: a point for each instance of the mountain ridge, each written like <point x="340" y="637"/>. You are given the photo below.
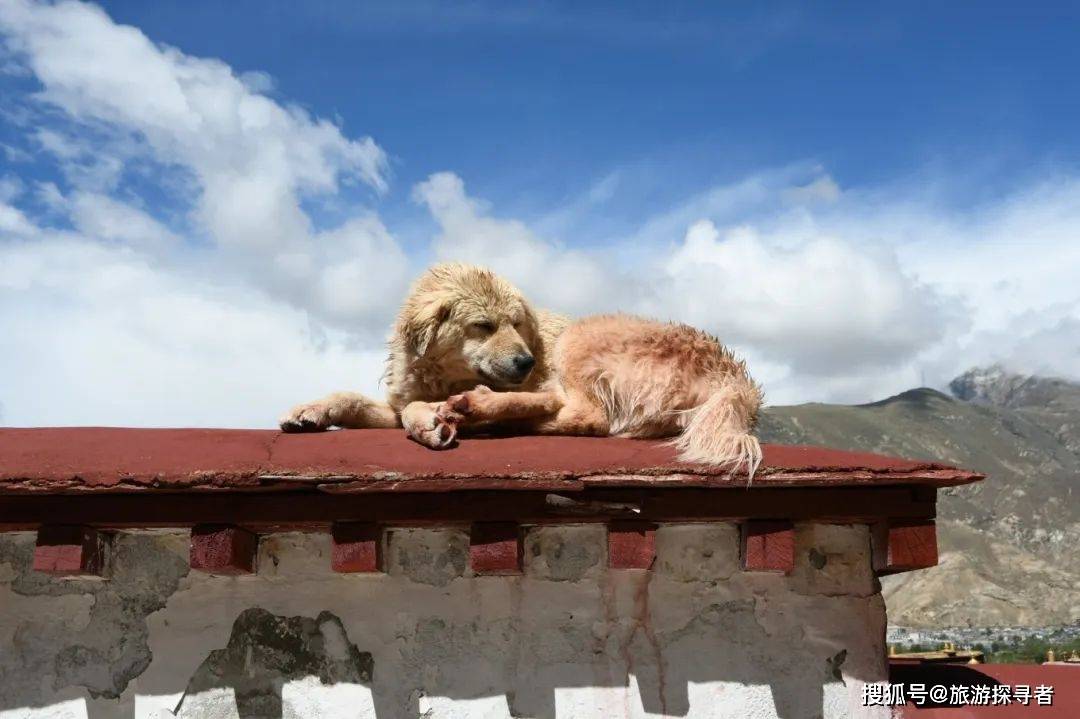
<point x="1010" y="542"/>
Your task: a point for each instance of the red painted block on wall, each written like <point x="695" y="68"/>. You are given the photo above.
<point x="223" y="549"/>
<point x="356" y="547"/>
<point x="631" y="545"/>
<point x="768" y="546"/>
<point x="901" y="546"/>
<point x="69" y="551"/>
<point x="495" y="548"/>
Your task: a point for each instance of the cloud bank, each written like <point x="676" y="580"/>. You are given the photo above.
<point x="189" y="263"/>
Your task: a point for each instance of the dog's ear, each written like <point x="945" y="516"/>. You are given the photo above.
<point x="419" y="330"/>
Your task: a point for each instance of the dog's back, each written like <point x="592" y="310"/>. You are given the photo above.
<point x="657" y="379"/>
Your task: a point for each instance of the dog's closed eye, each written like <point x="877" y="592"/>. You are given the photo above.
<point x="484" y="326"/>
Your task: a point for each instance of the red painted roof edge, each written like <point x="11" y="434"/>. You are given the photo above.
<point x="97" y="459"/>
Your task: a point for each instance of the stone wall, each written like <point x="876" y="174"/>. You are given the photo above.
<point x="695" y="636"/>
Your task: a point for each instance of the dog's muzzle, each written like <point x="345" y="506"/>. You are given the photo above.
<point x="515" y="370"/>
<point x="523" y="364"/>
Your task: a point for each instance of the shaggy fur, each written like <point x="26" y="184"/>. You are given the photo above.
<point x="459" y="326"/>
<point x="469" y="353"/>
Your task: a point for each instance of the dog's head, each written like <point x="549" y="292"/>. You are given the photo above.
<point x="471" y="321"/>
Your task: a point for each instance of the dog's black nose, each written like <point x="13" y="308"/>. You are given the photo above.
<point x="524" y="363"/>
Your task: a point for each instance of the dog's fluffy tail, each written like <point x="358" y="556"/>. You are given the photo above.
<point x="720" y="430"/>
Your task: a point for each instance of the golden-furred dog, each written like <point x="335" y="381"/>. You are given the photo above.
<point x="468" y="352"/>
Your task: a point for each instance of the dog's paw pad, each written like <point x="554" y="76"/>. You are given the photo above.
<point x="435" y="431"/>
<point x="445" y="432"/>
<point x="441" y="436"/>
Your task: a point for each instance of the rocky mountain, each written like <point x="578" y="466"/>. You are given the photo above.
<point x="1010" y="546"/>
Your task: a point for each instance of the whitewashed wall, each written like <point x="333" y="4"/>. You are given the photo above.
<point x="696" y="636"/>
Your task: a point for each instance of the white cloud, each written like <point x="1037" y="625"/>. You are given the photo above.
<point x="821" y="189"/>
<point x="99" y="335"/>
<point x="1018" y="254"/>
<point x="252" y="161"/>
<point x="258" y="81"/>
<point x="563" y="279"/>
<point x="364" y="271"/>
<point x="722" y="204"/>
<point x="109" y="219"/>
<point x="194" y="111"/>
<point x="10" y="188"/>
<point x="824" y="305"/>
<point x="96" y="164"/>
<point x="13" y="221"/>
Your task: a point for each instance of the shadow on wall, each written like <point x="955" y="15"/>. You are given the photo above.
<point x="265" y="651"/>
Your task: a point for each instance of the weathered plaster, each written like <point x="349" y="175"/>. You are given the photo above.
<point x="566" y="553"/>
<point x="85" y="633"/>
<point x="427" y="556"/>
<point x="831" y="561"/>
<point x="694" y="637"/>
<point x="697" y="552"/>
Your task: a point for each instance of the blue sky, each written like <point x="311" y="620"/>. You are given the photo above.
<point x="536" y="101"/>
<point x="859" y="197"/>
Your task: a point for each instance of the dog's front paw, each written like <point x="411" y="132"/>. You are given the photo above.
<point x="310" y="417"/>
<point x="433" y="428"/>
<point x="474" y="403"/>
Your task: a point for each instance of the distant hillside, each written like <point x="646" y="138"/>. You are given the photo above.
<point x="1010" y="545"/>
